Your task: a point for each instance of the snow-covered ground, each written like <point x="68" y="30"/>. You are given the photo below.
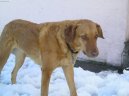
<point x="87" y="83"/>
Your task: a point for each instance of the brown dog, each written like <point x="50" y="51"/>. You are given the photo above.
<point x="51" y="45"/>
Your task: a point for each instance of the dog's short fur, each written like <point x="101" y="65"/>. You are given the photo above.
<point x="51" y="45"/>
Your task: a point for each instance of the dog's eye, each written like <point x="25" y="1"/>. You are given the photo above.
<point x="84" y="37"/>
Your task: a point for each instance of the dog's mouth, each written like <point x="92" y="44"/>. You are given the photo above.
<point x="92" y="54"/>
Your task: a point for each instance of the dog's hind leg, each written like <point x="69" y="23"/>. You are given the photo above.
<point x="20" y="57"/>
<point x="4" y="54"/>
<point x="3" y="58"/>
<point x="5" y="50"/>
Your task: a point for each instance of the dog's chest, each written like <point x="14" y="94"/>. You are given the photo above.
<point x="69" y="59"/>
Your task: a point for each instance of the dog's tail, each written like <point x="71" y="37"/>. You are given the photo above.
<point x="6" y="43"/>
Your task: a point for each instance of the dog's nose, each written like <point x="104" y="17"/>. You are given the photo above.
<point x="94" y="53"/>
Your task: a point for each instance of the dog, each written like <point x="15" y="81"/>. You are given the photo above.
<point x="51" y="45"/>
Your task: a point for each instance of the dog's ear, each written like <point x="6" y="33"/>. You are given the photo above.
<point x="100" y="32"/>
<point x="70" y="32"/>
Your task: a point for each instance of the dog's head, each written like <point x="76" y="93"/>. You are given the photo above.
<point x="83" y="36"/>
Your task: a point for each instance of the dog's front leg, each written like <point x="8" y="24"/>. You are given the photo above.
<point x="69" y="74"/>
<point x="46" y="74"/>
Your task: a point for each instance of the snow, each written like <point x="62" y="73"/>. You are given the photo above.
<point x="106" y="83"/>
<point x="110" y="14"/>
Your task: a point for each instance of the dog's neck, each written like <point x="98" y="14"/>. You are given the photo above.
<point x="71" y="50"/>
